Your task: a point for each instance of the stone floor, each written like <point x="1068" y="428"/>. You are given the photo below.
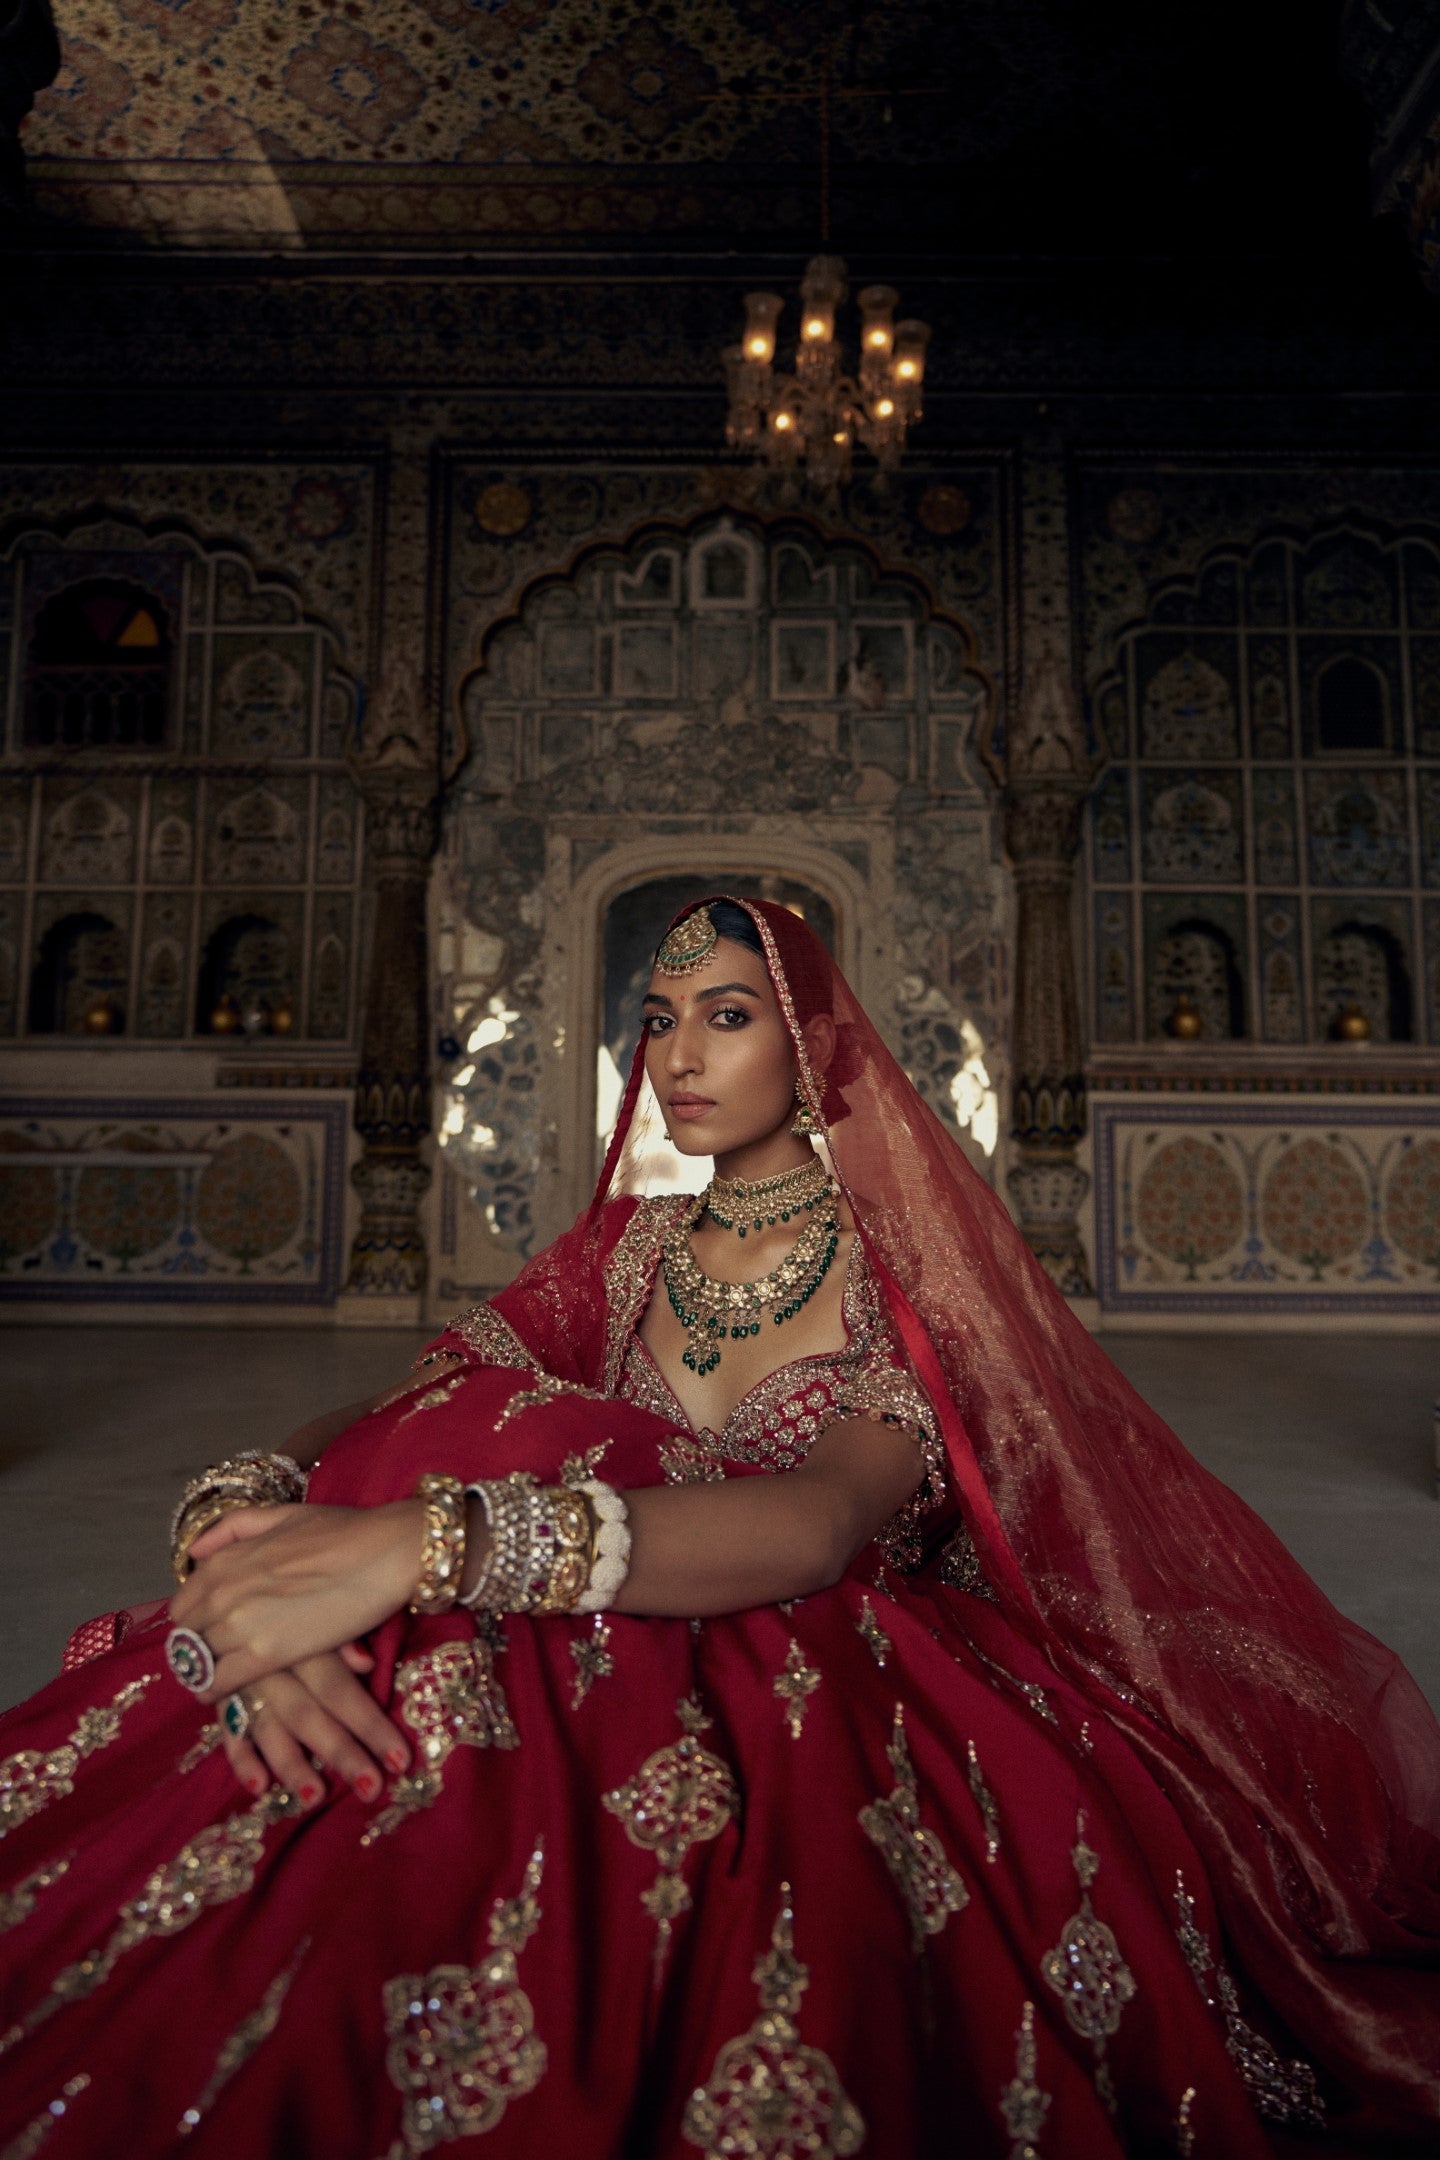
<point x="1329" y="1437"/>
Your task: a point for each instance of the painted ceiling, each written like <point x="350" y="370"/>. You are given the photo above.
<point x="284" y="122"/>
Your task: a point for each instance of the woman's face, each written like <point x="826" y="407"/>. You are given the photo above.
<point x="718" y="1054"/>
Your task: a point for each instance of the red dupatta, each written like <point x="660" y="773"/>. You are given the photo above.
<point x="1303" y="1757"/>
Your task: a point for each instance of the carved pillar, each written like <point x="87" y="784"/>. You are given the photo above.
<point x="1046" y="1184"/>
<point x="397" y="769"/>
<point x="392" y="1095"/>
<point x="1047" y="780"/>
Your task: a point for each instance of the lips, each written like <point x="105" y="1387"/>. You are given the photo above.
<point x="689" y="1106"/>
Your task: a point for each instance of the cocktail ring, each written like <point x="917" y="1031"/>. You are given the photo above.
<point x="190" y="1658"/>
<point x="239" y="1711"/>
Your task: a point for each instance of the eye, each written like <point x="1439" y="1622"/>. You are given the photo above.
<point x="733" y="1016"/>
<point x="656" y="1023"/>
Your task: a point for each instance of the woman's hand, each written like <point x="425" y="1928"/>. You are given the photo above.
<point x="318" y="1713"/>
<point x="285" y="1584"/>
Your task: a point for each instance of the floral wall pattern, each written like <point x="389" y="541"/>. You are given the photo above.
<point x="1288" y="1208"/>
<point x="192" y="1201"/>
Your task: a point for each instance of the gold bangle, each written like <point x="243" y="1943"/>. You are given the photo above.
<point x="565" y="1547"/>
<point x="196" y="1521"/>
<point x="442" y="1551"/>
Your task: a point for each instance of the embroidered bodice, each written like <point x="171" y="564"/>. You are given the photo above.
<point x="777" y="1421"/>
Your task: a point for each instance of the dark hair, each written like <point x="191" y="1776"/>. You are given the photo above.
<point x="732" y="922"/>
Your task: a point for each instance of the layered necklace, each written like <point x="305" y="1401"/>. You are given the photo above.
<point x="712" y="1312"/>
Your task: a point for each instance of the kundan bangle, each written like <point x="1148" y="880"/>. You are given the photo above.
<point x="250" y="1479"/>
<point x="553" y="1548"/>
<point x="610" y="1560"/>
<point x="442" y="1552"/>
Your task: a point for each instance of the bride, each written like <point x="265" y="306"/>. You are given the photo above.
<point x="763" y="1685"/>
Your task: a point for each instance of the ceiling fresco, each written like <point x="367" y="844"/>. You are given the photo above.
<point x="288" y="123"/>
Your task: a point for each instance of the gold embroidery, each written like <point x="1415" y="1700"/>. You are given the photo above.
<point x="630" y="1276"/>
<point x="33" y="2136"/>
<point x="577" y="1470"/>
<point x="210" y="1738"/>
<point x="30" y="1780"/>
<point x="1184" y="2128"/>
<point x="432" y="1397"/>
<point x="874" y="1634"/>
<point x="462" y="2038"/>
<point x="243" y="2042"/>
<point x="984" y="1800"/>
<point x="1023" y="2105"/>
<point x="449" y="1697"/>
<point x="769" y="2097"/>
<point x="492" y="1338"/>
<point x="1085" y="1968"/>
<point x="794" y="1686"/>
<point x="545" y="1390"/>
<point x="682" y="1795"/>
<point x="18" y="1904"/>
<point x="217" y="1865"/>
<point x="684" y="1461"/>
<point x="929" y="1886"/>
<point x="1281" y="2091"/>
<point x="593" y="1659"/>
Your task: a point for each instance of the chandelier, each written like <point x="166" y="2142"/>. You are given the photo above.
<point x="810" y="422"/>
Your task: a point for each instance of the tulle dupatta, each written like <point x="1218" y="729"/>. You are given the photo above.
<point x="1302" y="1755"/>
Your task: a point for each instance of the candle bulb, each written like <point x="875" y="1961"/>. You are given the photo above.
<point x="762" y="313"/>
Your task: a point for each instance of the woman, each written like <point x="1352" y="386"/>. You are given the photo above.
<point x="838" y="1718"/>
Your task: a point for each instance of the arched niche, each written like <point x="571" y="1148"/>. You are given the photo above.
<point x="728" y="699"/>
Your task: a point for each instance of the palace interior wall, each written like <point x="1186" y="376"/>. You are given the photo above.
<point x="465" y="625"/>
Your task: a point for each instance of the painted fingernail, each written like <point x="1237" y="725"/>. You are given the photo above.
<point x="309" y="1794"/>
<point x="367" y="1784"/>
<point x="397" y="1758"/>
<point x="254" y="1783"/>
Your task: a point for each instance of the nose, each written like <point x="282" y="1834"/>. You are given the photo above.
<point x="681" y="1053"/>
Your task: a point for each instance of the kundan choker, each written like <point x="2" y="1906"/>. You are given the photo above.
<point x="745" y="1204"/>
<point x="713" y="1312"/>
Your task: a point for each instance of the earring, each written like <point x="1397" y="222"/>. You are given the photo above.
<point x="804" y="1126"/>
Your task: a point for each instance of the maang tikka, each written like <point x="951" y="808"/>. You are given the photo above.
<point x="689" y="945"/>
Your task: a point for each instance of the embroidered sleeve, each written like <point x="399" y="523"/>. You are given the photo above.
<point x="887" y="1394"/>
<point x="486" y="1338"/>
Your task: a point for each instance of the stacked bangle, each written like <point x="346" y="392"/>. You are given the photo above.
<point x="250" y="1479"/>
<point x="442" y="1552"/>
<point x="553" y="1548"/>
<point x="610" y="1552"/>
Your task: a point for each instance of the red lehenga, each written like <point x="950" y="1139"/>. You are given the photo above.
<point x="1072" y="1822"/>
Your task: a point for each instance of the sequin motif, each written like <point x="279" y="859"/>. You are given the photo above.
<point x="242" y="2044"/>
<point x="449" y="1697"/>
<point x="1282" y="2091"/>
<point x="1023" y="2104"/>
<point x="18" y="1904"/>
<point x="594" y="1659"/>
<point x="877" y="1640"/>
<point x="462" y="2040"/>
<point x="214" y="1867"/>
<point x="986" y="1802"/>
<point x="769" y="2096"/>
<point x="31" y="1780"/>
<point x="794" y="1686"/>
<point x="682" y="1795"/>
<point x="1085" y="1968"/>
<point x="33" y="2136"/>
<point x="929" y="1886"/>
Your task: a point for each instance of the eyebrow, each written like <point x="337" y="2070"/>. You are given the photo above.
<point x="653" y="997"/>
